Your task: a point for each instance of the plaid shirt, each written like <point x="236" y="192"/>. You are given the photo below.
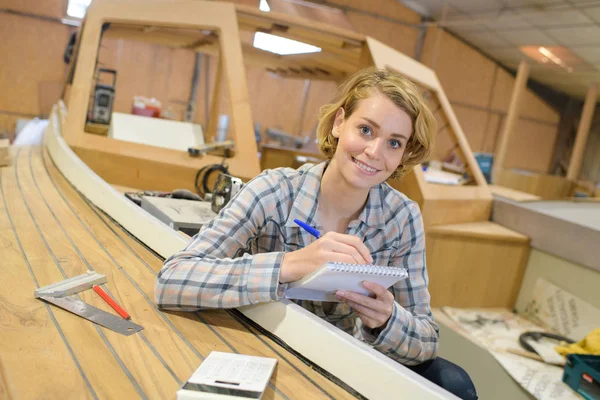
<point x="235" y="259"/>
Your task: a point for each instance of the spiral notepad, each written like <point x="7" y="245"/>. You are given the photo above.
<point x="322" y="284"/>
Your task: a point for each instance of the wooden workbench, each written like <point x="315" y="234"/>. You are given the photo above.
<point x="49" y="232"/>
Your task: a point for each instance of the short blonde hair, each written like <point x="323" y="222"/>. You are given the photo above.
<point x="401" y="92"/>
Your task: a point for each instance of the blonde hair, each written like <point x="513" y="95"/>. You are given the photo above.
<point x="401" y="92"/>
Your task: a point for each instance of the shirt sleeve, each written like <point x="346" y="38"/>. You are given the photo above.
<point x="211" y="271"/>
<point x="411" y="334"/>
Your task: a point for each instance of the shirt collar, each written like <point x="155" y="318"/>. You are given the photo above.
<point x="305" y="204"/>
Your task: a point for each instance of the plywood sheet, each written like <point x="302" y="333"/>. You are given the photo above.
<point x="531" y="106"/>
<point x="387" y="8"/>
<point x="37" y="44"/>
<point x="401" y="38"/>
<point x="51" y="8"/>
<point x="473" y="123"/>
<point x="531" y="146"/>
<point x="465" y="74"/>
<point x="7" y="124"/>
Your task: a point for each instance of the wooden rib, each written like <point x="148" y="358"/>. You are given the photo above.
<point x="141" y="263"/>
<point x="246" y="13"/>
<point x="170" y="39"/>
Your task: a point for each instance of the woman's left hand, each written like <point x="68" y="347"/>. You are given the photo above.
<point x="374" y="312"/>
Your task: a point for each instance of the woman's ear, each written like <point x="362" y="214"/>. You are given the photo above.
<point x="337" y="123"/>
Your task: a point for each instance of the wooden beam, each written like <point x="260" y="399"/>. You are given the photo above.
<point x="213" y="121"/>
<point x="511" y="119"/>
<point x="582" y="133"/>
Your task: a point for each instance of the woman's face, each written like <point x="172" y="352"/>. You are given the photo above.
<point x="371" y="141"/>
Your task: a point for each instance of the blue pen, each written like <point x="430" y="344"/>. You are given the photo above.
<point x="308" y="228"/>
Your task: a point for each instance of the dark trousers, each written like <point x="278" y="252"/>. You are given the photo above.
<point x="448" y="376"/>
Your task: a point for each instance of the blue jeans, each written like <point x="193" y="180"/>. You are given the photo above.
<point x="448" y="376"/>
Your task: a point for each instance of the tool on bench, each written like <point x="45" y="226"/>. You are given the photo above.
<point x="60" y="294"/>
<point x="221" y="149"/>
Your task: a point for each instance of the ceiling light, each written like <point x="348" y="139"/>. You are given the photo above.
<point x="264" y="6"/>
<point x="556" y="57"/>
<point x="281" y="45"/>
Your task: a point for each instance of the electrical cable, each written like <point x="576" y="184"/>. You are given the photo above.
<point x="203" y="175"/>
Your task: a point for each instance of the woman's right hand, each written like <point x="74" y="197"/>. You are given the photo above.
<point x="331" y="247"/>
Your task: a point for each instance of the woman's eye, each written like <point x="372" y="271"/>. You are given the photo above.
<point x="365" y="130"/>
<point x="395" y="144"/>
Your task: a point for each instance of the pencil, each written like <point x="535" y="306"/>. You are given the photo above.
<point x="111" y="302"/>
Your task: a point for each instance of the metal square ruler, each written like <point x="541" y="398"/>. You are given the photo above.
<point x="61" y="295"/>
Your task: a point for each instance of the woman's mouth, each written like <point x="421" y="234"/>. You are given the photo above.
<point x="365" y="168"/>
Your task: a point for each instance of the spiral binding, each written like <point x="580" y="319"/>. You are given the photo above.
<point x="367" y="269"/>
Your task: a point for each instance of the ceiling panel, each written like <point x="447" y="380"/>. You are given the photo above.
<point x="588" y="53"/>
<point x="506" y="55"/>
<point x="508" y="20"/>
<point x="593" y="13"/>
<point x="577" y="36"/>
<point x="557" y="18"/>
<point x="485" y="40"/>
<point x="477" y="6"/>
<point x="528" y="37"/>
<point x="532" y="3"/>
<point x="499" y="27"/>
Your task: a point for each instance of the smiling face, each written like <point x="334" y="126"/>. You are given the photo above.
<point x="371" y="141"/>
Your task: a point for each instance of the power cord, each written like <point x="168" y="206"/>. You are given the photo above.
<point x="203" y="175"/>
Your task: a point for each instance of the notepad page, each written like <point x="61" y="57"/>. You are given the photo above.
<point x="331" y="277"/>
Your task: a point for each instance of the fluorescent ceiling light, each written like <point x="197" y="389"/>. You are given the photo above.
<point x="556" y="60"/>
<point x="280" y="45"/>
<point x="264" y="6"/>
<point x="557" y="57"/>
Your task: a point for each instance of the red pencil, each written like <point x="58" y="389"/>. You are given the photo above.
<point x="111" y="302"/>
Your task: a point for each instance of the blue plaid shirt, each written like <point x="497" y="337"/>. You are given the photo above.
<point x="235" y="259"/>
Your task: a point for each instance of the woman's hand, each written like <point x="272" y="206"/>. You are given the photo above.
<point x="331" y="247"/>
<point x="373" y="312"/>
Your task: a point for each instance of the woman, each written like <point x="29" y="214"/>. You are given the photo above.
<point x="377" y="127"/>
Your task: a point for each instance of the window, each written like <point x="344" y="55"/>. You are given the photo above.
<point x="77" y="8"/>
<point x="264" y="6"/>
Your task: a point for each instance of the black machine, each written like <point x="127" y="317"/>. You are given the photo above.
<point x="104" y="96"/>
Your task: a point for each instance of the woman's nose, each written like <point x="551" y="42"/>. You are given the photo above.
<point x="374" y="148"/>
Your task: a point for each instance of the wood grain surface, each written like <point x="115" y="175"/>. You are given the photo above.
<point x="49" y="232"/>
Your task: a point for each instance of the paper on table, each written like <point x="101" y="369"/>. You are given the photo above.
<point x="498" y="332"/>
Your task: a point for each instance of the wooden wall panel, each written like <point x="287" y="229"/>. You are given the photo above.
<point x="492" y="132"/>
<point x="391" y="9"/>
<point x="473" y="123"/>
<point x="52" y="8"/>
<point x="7" y="124"/>
<point x="531" y="106"/>
<point x="36" y="50"/>
<point x="400" y="37"/>
<point x="479" y="91"/>
<point x="465" y="74"/>
<point x="531" y="146"/>
<point x="275" y="101"/>
<point x="321" y="92"/>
